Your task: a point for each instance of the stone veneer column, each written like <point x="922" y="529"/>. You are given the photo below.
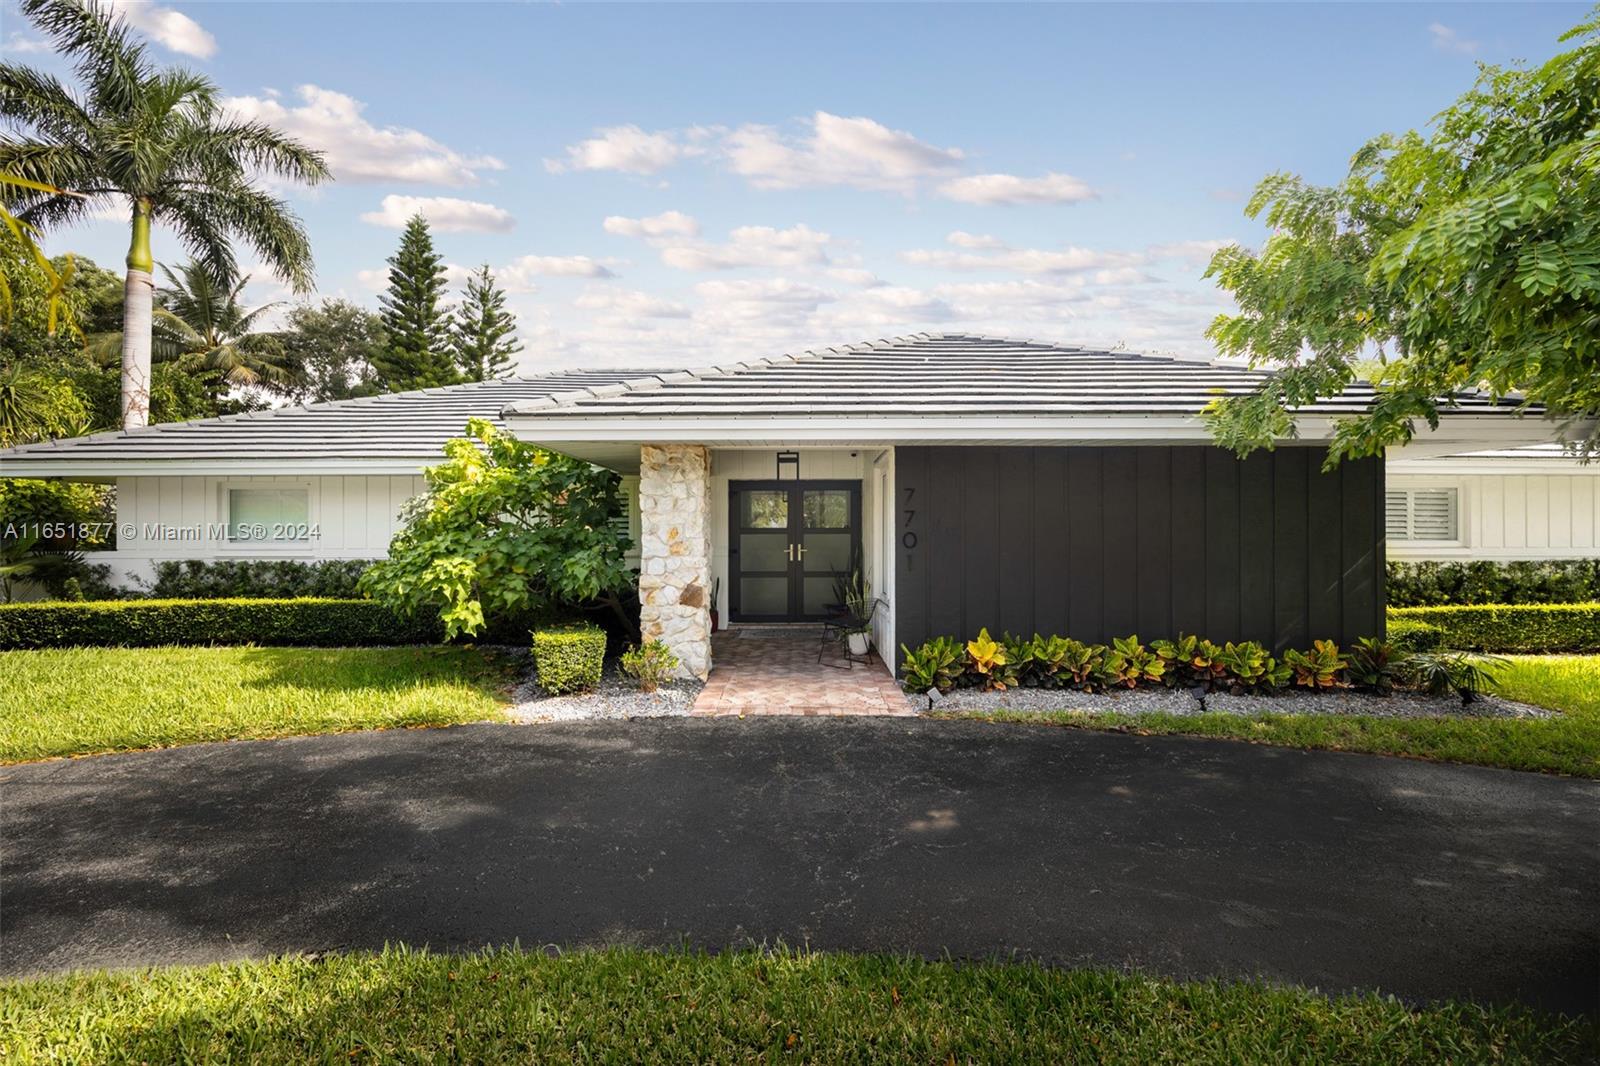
<point x="675" y="552"/>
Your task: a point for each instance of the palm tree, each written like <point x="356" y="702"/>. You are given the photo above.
<point x="201" y="321"/>
<point x="155" y="138"/>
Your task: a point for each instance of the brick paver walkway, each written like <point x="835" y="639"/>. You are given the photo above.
<point x="760" y="671"/>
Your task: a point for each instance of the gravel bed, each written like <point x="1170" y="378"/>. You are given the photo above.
<point x="618" y="696"/>
<point x="1399" y="705"/>
<point x="1133" y="701"/>
<point x="1184" y="702"/>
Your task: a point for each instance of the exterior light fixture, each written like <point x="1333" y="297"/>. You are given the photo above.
<point x="788" y="466"/>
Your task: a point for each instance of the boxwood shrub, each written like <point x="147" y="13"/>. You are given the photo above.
<point x="1431" y="583"/>
<point x="150" y="623"/>
<point x="1544" y="627"/>
<point x="271" y="579"/>
<point x="1413" y="635"/>
<point x="569" y="658"/>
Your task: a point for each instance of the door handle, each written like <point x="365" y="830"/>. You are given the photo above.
<point x="797" y="553"/>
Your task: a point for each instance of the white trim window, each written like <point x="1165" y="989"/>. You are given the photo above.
<point x="268" y="515"/>
<point x="1431" y="515"/>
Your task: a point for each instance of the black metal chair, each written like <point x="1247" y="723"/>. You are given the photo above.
<point x="837" y="630"/>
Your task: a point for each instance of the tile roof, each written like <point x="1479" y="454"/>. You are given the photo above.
<point x="399" y="426"/>
<point x="938" y="374"/>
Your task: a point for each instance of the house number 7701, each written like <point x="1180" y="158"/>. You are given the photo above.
<point x="908" y="539"/>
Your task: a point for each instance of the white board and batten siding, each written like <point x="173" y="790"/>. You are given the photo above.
<point x="184" y="517"/>
<point x="1494" y="516"/>
<point x="355" y="516"/>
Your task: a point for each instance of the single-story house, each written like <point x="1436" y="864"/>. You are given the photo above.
<point x="342" y="470"/>
<point x="975" y="481"/>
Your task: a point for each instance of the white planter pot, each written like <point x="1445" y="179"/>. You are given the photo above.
<point x="860" y="643"/>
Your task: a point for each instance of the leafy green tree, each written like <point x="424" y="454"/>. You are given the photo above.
<point x="505" y="528"/>
<point x="90" y="299"/>
<point x="35" y="406"/>
<point x="485" y="333"/>
<point x="154" y="139"/>
<point x="1467" y="257"/>
<point x="416" y="354"/>
<point x="328" y="351"/>
<point x="22" y="258"/>
<point x="201" y="323"/>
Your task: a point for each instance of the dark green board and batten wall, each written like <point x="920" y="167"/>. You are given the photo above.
<point x="1095" y="543"/>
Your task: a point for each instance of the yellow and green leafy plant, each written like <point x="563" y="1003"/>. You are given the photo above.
<point x="987" y="656"/>
<point x="1083" y="662"/>
<point x="1129" y="663"/>
<point x="1320" y="667"/>
<point x="1249" y="667"/>
<point x="936" y="664"/>
<point x="1189" y="660"/>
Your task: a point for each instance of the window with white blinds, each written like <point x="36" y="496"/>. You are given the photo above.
<point x="1422" y="514"/>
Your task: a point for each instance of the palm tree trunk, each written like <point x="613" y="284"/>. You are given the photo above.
<point x="138" y="298"/>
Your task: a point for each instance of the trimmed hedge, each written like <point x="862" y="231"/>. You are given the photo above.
<point x="1547" y="627"/>
<point x="1411" y="635"/>
<point x="569" y="658"/>
<point x="1454" y="584"/>
<point x="270" y="579"/>
<point x="151" y="623"/>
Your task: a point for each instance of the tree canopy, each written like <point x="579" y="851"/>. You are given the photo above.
<point x="505" y="528"/>
<point x="484" y="334"/>
<point x="327" y="352"/>
<point x="156" y="136"/>
<point x="416" y="353"/>
<point x="1465" y="257"/>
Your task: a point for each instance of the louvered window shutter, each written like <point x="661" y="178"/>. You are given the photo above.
<point x="1421" y="514"/>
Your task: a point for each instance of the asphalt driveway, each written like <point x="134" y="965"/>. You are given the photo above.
<point x="1183" y="856"/>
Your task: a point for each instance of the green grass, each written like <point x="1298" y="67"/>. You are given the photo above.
<point x="634" y="1006"/>
<point x="1566" y="744"/>
<point x="76" y="701"/>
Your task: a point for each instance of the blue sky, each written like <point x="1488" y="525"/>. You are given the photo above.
<point x="680" y="185"/>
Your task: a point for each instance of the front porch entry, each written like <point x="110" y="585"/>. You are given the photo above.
<point x="773" y="670"/>
<point x="791" y="544"/>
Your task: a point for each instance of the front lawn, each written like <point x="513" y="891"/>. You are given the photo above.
<point x="75" y="701"/>
<point x="634" y="1006"/>
<point x="1568" y="743"/>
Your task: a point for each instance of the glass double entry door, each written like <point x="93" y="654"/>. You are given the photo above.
<point x="791" y="543"/>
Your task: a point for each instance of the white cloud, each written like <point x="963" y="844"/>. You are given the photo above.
<point x="837" y="151"/>
<point x="866" y="279"/>
<point x="752" y="246"/>
<point x="1053" y="188"/>
<point x="625" y="148"/>
<point x="665" y="225"/>
<point x="629" y="303"/>
<point x="777" y="292"/>
<point x="1022" y="260"/>
<point x="1446" y="39"/>
<point x="171" y="29"/>
<point x="444" y="213"/>
<point x="519" y="273"/>
<point x="963" y="239"/>
<point x="375" y="280"/>
<point x="356" y="149"/>
<point x="18" y="44"/>
<point x="1190" y="253"/>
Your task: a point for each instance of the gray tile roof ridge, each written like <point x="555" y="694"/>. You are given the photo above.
<point x="160" y="428"/>
<point x="533" y="405"/>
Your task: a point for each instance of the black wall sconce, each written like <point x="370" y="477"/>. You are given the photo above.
<point x="788" y="466"/>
